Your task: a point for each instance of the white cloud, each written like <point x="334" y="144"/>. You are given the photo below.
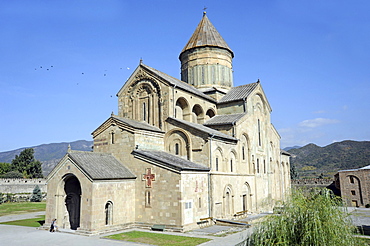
<point x="317" y="122"/>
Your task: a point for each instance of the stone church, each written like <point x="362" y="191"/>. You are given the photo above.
<point x="178" y="153"/>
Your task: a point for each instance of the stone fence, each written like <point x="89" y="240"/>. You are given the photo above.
<point x="21" y="186"/>
<point x="312" y="182"/>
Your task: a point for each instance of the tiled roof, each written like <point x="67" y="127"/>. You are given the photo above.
<point x="283" y="152"/>
<point x="226" y="119"/>
<point x="100" y="165"/>
<point x="238" y="93"/>
<point x="206" y="35"/>
<point x="170" y="160"/>
<point x="137" y="124"/>
<point x="178" y="83"/>
<point x="356" y="169"/>
<point x="202" y="128"/>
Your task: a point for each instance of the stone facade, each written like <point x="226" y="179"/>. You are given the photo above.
<point x="354" y="186"/>
<point x="187" y="150"/>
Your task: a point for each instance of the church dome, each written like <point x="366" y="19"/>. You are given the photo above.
<point x="206" y="35"/>
<point x="206" y="60"/>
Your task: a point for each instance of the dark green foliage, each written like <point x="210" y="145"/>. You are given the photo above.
<point x="36" y="194"/>
<point x="2" y="198"/>
<point x="26" y="164"/>
<point x="311" y="218"/>
<point x="12" y="175"/>
<point x="330" y="159"/>
<point x="4" y="167"/>
<point x="293" y="172"/>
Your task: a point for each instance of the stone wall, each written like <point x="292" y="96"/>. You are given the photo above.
<point x="21" y="186"/>
<point x="311" y="182"/>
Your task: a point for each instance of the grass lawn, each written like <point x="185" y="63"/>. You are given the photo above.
<point x="21" y="207"/>
<point x="157" y="238"/>
<point x="34" y="222"/>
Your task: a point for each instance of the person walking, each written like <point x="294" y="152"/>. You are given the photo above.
<point x="53" y="226"/>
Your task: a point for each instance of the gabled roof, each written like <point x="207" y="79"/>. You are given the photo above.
<point x="169" y="160"/>
<point x="137" y="124"/>
<point x="178" y="83"/>
<point x="207" y="130"/>
<point x="227" y="119"/>
<point x="283" y="152"/>
<point x="206" y="35"/>
<point x="100" y="166"/>
<point x="126" y="123"/>
<point x="238" y="93"/>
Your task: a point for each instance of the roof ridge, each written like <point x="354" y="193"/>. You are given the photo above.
<point x="186" y="86"/>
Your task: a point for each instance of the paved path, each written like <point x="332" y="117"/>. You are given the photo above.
<point x="21" y="235"/>
<point x="20" y="216"/>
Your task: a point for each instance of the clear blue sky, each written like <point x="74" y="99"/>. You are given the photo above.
<point x="62" y="62"/>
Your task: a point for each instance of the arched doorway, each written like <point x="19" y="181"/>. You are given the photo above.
<point x="228" y="201"/>
<point x="246" y="202"/>
<point x="72" y="189"/>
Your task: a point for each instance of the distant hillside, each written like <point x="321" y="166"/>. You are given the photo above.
<point x="294" y="147"/>
<point x="48" y="154"/>
<point x="312" y="160"/>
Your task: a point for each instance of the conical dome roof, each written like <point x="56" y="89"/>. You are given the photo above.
<point x="206" y="35"/>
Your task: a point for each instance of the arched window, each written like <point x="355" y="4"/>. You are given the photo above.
<point x="233" y="162"/>
<point x="182" y="110"/>
<point x="144" y="112"/>
<point x="177" y="143"/>
<point x="177" y="150"/>
<point x="198" y="114"/>
<point x="216" y="163"/>
<point x="112" y="137"/>
<point x="210" y="113"/>
<point x="258" y="165"/>
<point x="109" y="213"/>
<point x="259" y="132"/>
<point x="147" y="199"/>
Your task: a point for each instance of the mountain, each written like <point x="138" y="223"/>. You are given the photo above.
<point x="48" y="154"/>
<point x="312" y="160"/>
<point x="294" y="147"/>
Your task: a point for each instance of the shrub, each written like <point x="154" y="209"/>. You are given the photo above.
<point x="36" y="194"/>
<point x="12" y="175"/>
<point x="307" y="219"/>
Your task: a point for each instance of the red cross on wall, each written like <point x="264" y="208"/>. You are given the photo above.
<point x="149" y="177"/>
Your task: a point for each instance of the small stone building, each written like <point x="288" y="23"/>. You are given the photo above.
<point x="177" y="152"/>
<point x="354" y="185"/>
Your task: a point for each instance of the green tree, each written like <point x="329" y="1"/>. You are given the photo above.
<point x="4" y="167"/>
<point x="26" y="164"/>
<point x="12" y="175"/>
<point x="307" y="219"/>
<point x="36" y="194"/>
<point x="293" y="172"/>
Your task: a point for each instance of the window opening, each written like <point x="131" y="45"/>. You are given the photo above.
<point x="259" y="132"/>
<point x="177" y="151"/>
